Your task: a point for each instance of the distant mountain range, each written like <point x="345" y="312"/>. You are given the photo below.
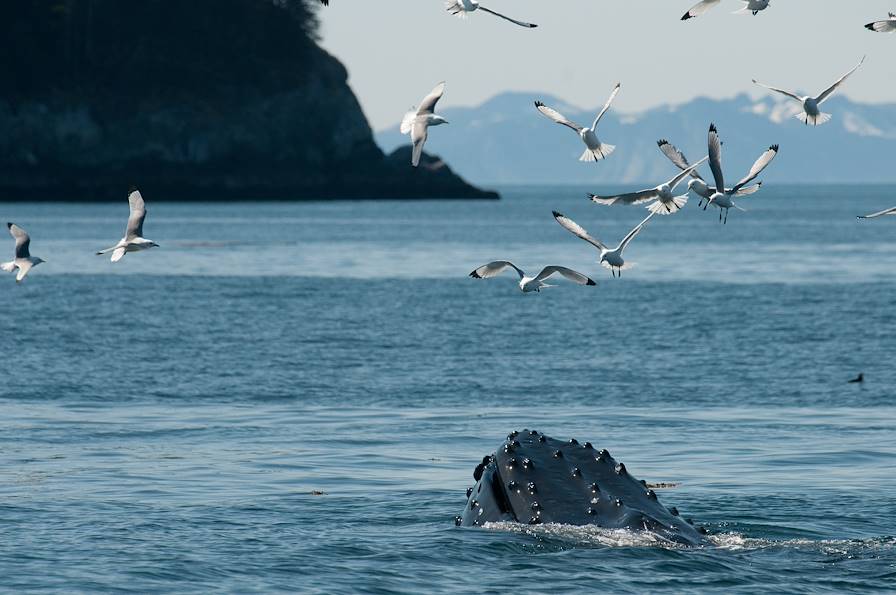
<point x="506" y="141"/>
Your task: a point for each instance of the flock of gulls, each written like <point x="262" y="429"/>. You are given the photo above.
<point x="660" y="200"/>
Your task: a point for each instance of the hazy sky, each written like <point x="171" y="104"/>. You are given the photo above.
<point x="397" y="50"/>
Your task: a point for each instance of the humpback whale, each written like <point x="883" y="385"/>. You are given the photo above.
<point x="535" y="479"/>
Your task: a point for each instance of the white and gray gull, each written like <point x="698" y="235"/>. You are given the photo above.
<point x="529" y="284"/>
<point x="133" y="240"/>
<point x="610" y="258"/>
<point x="461" y="8"/>
<point x="594" y="149"/>
<point x="417" y="122"/>
<point x="698" y="185"/>
<point x="811" y="113"/>
<point x="23" y="260"/>
<point x="664" y="200"/>
<point x="725" y="199"/>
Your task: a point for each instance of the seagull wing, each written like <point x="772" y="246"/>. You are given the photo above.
<point x="887" y="26"/>
<point x="556" y="116"/>
<point x="23" y="240"/>
<point x="138" y="214"/>
<point x="577" y="230"/>
<point x="748" y="190"/>
<point x="757" y="168"/>
<point x="699" y="9"/>
<point x="790" y="94"/>
<point x="428" y="105"/>
<point x="715" y="157"/>
<point x="830" y="90"/>
<point x="419" y="133"/>
<point x="676" y="157"/>
<point x="493" y="269"/>
<point x="606" y="105"/>
<point x="674" y="182"/>
<point x="631" y="235"/>
<point x="632" y="198"/>
<point x="570" y="274"/>
<point x="506" y="18"/>
<point x="879" y="214"/>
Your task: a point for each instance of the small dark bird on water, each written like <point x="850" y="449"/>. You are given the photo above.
<point x="858" y="379"/>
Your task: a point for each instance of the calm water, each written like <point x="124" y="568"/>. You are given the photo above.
<point x="164" y="421"/>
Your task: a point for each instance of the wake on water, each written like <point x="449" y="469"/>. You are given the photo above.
<point x="592" y="535"/>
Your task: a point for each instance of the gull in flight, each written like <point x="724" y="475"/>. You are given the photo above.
<point x="811" y="114"/>
<point x="530" y="284"/>
<point x="462" y="7"/>
<point x="887" y="26"/>
<point x="698" y="185"/>
<point x="133" y="240"/>
<point x="23" y="260"/>
<point x="879" y="214"/>
<point x="665" y="203"/>
<point x="610" y="258"/>
<point x="753" y="6"/>
<point x="724" y="200"/>
<point x="595" y="150"/>
<point x="417" y="123"/>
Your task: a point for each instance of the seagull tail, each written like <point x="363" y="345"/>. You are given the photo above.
<point x="8" y="266"/>
<point x="668" y="208"/>
<point x="813" y="120"/>
<point x="601" y="152"/>
<point x="456" y="8"/>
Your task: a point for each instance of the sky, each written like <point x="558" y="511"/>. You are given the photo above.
<point x="397" y="50"/>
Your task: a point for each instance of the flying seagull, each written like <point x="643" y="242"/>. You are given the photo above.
<point x="595" y="150"/>
<point x="665" y="202"/>
<point x="887" y="26"/>
<point x="699" y="8"/>
<point x="23" y="260"/>
<point x="891" y="211"/>
<point x="811" y="114"/>
<point x="530" y="284"/>
<point x="610" y="258"/>
<point x="753" y="6"/>
<point x="133" y="240"/>
<point x="462" y="7"/>
<point x="724" y="200"/>
<point x="697" y="185"/>
<point x="417" y="123"/>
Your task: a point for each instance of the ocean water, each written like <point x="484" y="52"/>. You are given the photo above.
<point x="292" y="397"/>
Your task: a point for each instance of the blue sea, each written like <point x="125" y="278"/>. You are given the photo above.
<point x="292" y="397"/>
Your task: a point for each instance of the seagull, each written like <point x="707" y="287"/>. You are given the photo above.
<point x="23" y="260"/>
<point x="724" y="200"/>
<point x="325" y="2"/>
<point x="610" y="258"/>
<point x="595" y="150"/>
<point x="530" y="284"/>
<point x="699" y="8"/>
<point x="665" y="203"/>
<point x="417" y="123"/>
<point x="891" y="211"/>
<point x="462" y="7"/>
<point x="753" y="6"/>
<point x="887" y="26"/>
<point x="133" y="240"/>
<point x="697" y="185"/>
<point x="811" y="113"/>
<point x="857" y="380"/>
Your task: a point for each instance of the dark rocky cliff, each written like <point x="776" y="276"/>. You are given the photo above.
<point x="206" y="99"/>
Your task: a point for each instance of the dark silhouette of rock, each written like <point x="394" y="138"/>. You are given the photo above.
<point x="207" y="99"/>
